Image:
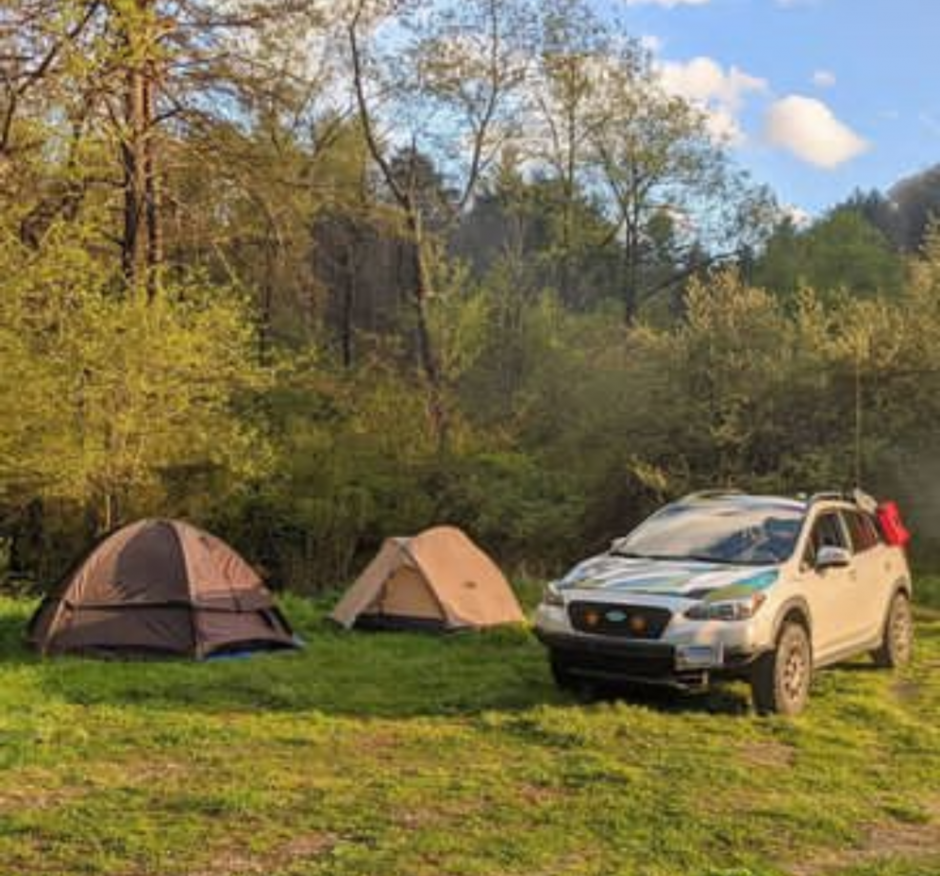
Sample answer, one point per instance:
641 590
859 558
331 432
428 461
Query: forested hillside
312 274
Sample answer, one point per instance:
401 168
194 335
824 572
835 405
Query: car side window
827 532
862 531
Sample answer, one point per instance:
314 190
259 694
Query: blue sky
820 96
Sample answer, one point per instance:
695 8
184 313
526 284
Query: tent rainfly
438 580
160 587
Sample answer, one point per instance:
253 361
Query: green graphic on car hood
743 588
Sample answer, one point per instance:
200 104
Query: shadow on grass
363 675
348 674
722 699
14 617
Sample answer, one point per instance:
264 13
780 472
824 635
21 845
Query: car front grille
642 661
624 621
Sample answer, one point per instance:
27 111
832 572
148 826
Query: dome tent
438 580
160 587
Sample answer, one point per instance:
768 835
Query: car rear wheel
781 678
897 644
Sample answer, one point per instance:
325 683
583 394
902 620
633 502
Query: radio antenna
858 413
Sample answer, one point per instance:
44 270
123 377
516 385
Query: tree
840 251
141 80
456 86
673 192
103 396
613 140
573 47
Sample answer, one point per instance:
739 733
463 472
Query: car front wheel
897 643
781 678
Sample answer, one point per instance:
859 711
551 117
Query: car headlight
728 609
551 595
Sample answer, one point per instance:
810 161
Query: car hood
610 575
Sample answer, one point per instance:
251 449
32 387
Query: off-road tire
897 643
781 678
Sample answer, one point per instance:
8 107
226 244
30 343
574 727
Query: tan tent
160 587
438 580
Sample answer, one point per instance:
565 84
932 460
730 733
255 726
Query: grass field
382 755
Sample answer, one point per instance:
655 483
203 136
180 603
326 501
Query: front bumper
648 662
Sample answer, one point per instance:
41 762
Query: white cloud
810 130
666 4
720 92
824 79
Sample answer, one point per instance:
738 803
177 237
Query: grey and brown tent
160 587
438 580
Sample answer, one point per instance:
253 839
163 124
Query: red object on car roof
892 527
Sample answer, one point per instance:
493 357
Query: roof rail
712 494
830 496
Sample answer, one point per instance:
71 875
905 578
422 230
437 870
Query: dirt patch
416 820
309 845
768 753
442 812
906 690
25 798
882 841
541 795
241 862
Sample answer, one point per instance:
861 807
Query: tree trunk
631 276
631 296
141 243
427 357
266 301
135 177
108 512
152 177
349 300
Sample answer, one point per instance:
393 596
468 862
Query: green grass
411 755
928 591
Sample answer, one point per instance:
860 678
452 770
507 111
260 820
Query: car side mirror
832 558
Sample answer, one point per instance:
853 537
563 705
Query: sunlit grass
421 756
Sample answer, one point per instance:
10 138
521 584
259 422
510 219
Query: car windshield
737 532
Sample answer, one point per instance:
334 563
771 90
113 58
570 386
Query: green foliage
103 395
590 363
567 427
843 251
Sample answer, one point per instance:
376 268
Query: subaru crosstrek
722 584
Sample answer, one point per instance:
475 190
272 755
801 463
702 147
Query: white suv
729 585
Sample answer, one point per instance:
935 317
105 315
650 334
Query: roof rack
712 494
830 496
827 496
